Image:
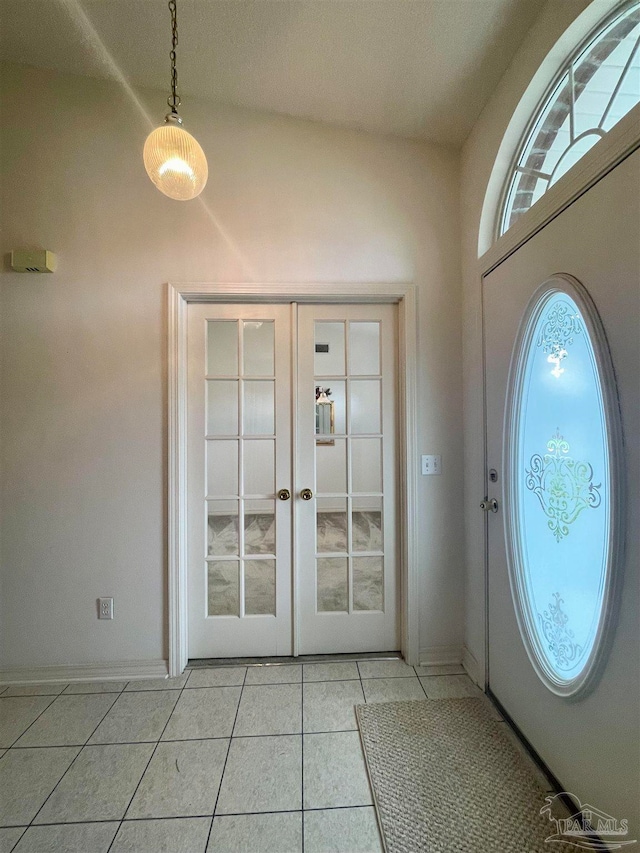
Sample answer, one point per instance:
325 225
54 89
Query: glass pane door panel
223 588
335 391
332 584
222 467
258 348
259 407
222 407
260 587
222 347
331 525
331 467
368 587
366 470
365 405
364 349
329 357
259 527
259 465
222 528
366 524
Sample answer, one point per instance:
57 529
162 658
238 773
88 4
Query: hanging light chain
174 99
173 159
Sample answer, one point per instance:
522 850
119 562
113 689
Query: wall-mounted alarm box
33 260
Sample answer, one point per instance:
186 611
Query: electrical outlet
431 465
105 608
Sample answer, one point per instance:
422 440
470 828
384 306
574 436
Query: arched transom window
597 87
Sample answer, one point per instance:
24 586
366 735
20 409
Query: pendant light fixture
174 160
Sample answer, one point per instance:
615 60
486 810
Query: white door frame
178 296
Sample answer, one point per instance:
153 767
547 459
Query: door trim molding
178 297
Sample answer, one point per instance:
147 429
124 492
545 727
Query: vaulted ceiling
422 69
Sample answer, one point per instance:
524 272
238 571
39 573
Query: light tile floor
230 759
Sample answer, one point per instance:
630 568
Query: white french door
345 533
563 590
238 457
291 535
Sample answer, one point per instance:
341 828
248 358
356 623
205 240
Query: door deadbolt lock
489 505
284 494
306 494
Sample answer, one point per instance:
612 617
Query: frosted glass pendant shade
175 162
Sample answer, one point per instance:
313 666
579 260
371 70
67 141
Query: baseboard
472 667
116 671
440 655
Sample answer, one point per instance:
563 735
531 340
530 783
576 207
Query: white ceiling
416 68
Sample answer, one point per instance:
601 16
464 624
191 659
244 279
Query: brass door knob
284 494
306 494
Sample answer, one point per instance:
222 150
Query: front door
561 374
291 479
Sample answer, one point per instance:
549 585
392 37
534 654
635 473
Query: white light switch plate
431 465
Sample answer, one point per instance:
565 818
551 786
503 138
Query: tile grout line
189 817
226 758
424 690
116 695
26 828
22 834
180 740
442 675
31 695
379 827
364 695
57 696
155 689
360 738
264 684
74 760
217 686
362 747
94 692
153 752
302 727
46 708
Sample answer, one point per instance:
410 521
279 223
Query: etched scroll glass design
562 493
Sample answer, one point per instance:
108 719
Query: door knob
489 505
284 494
306 494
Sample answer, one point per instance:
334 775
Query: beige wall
84 361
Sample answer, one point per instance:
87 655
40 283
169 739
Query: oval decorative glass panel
561 491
